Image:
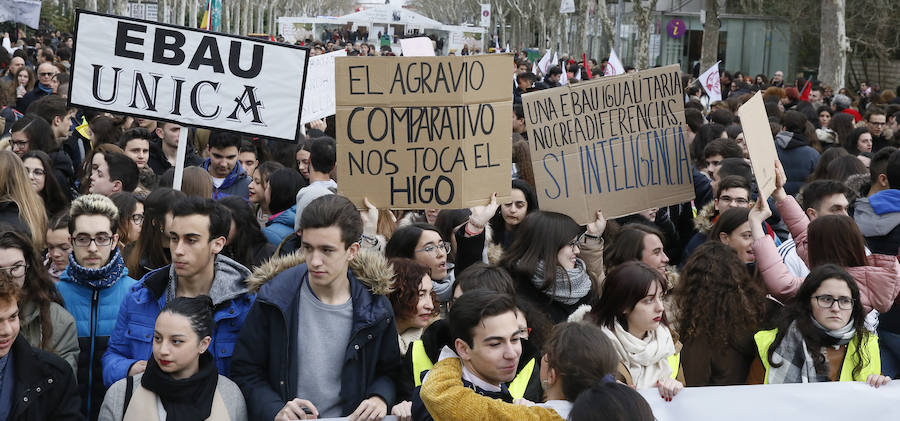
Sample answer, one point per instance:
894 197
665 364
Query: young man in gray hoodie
196 234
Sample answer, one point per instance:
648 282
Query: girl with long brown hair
16 187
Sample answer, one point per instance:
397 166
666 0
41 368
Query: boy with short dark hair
321 340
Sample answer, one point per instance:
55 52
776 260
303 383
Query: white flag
710 82
485 15
554 63
614 66
563 80
534 68
578 75
507 48
544 62
567 6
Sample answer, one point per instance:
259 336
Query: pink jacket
879 281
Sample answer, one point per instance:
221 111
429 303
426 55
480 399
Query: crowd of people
255 291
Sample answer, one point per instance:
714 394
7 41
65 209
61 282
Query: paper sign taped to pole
188 76
320 84
615 144
416 47
760 144
424 132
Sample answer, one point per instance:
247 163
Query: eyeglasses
16 270
574 243
51 74
137 218
736 200
876 123
19 143
432 248
84 240
826 301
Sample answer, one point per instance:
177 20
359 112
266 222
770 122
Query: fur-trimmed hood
370 267
706 218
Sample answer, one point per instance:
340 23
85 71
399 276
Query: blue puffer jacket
93 297
237 183
280 225
132 339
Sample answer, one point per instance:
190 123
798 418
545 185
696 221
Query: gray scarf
796 361
571 285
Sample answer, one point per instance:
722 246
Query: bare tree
834 48
710 50
643 17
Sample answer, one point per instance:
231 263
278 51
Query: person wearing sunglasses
93 286
45 73
822 337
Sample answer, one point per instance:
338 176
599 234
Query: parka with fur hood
265 360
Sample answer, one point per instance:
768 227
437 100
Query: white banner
485 15
189 76
833 401
567 6
320 84
711 83
22 11
544 63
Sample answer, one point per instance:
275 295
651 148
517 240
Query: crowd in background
255 291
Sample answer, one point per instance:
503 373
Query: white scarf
644 358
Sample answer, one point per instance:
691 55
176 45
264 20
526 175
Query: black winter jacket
264 363
45 387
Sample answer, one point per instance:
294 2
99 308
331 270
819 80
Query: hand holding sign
481 215
597 227
780 181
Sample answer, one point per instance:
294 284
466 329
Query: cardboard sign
760 144
424 132
187 76
799 401
615 144
417 47
320 84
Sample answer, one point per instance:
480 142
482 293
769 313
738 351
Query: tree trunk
643 17
245 17
181 11
833 44
192 14
710 51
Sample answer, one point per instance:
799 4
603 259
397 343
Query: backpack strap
129 385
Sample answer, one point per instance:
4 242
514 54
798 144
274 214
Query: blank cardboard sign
615 144
424 132
760 145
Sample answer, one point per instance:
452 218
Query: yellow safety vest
764 339
421 364
674 361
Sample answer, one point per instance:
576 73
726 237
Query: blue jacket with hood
132 338
237 183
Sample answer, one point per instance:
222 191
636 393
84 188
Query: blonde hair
16 187
94 204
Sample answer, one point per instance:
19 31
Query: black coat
44 388
264 364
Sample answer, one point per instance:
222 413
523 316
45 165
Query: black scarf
188 399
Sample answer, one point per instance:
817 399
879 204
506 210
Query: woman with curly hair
413 300
721 307
822 337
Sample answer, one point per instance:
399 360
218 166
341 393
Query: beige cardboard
406 151
760 144
588 139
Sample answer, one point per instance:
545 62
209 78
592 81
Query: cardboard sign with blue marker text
424 132
616 144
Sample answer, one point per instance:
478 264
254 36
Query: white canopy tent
387 19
